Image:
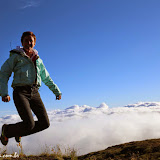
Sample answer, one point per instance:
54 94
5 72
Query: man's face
28 43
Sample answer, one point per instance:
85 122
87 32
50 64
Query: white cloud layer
89 129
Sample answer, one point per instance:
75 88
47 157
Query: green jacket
25 72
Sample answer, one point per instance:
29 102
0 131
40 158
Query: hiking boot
4 139
18 139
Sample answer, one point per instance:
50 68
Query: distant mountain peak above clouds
144 104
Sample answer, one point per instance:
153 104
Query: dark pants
27 98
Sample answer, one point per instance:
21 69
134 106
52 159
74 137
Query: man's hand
58 97
6 98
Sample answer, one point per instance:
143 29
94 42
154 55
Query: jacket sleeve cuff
57 94
4 95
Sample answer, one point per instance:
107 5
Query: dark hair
28 33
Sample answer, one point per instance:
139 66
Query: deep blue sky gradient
95 50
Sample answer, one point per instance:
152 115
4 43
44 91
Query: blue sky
95 50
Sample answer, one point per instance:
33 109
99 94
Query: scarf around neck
34 55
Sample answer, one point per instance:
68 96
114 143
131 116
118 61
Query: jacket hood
19 50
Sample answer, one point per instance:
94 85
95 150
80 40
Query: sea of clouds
88 129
